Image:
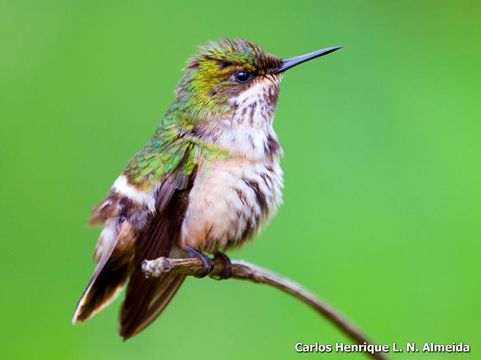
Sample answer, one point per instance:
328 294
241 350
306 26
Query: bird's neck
242 126
248 131
243 141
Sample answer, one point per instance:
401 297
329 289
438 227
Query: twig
245 271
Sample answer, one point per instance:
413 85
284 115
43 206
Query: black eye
242 76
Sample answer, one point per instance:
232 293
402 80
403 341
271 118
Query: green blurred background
382 172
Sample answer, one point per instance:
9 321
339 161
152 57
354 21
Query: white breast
229 202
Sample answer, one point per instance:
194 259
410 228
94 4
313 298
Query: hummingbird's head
232 85
224 72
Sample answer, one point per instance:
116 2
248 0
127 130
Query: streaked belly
229 202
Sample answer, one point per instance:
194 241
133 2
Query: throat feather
247 132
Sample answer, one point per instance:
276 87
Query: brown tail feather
101 290
146 298
134 319
109 277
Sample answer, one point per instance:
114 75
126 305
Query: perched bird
207 180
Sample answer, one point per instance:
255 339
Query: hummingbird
206 182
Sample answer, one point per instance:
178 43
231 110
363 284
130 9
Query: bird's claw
207 263
227 265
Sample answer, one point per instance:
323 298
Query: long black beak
289 63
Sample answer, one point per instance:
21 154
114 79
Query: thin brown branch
245 271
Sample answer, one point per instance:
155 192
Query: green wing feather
171 147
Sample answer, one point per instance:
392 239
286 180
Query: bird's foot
207 263
226 263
